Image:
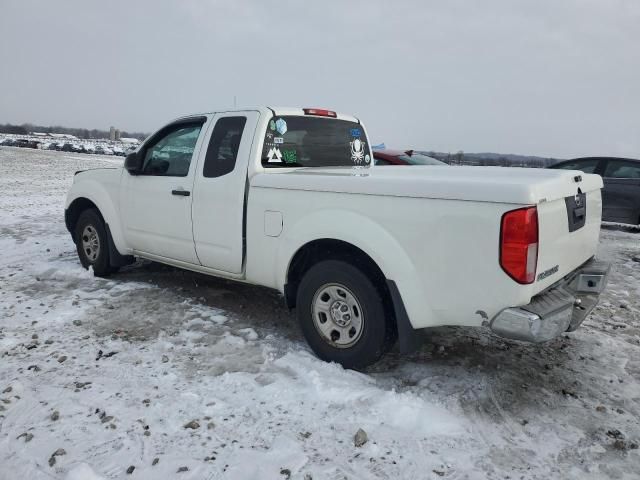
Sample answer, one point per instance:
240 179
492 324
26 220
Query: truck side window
170 155
223 146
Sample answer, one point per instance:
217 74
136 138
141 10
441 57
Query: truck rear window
296 141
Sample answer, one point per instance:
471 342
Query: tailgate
569 227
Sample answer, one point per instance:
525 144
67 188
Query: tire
92 243
355 336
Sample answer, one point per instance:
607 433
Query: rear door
621 194
219 190
156 211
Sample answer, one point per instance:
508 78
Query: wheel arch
71 216
93 193
321 249
373 242
74 210
316 251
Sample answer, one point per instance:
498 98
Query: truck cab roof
275 111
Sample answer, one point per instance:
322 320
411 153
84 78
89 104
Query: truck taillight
319 112
519 244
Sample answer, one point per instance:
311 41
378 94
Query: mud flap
116 259
409 339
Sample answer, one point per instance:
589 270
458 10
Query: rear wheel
342 314
92 243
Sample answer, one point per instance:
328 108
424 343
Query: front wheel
92 243
342 314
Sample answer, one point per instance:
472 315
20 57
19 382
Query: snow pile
82 472
159 373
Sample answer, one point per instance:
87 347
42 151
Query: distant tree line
27 128
493 159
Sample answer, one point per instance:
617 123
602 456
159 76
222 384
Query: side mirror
133 163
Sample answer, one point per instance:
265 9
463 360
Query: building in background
112 133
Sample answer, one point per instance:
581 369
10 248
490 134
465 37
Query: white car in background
118 151
103 150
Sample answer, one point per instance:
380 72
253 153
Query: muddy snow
161 373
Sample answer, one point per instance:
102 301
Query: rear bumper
560 308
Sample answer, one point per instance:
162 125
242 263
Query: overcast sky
545 77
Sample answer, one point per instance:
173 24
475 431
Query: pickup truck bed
453 215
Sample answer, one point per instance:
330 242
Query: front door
157 202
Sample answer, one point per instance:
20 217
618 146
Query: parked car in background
406 157
27 143
103 150
621 192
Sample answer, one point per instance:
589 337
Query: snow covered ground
169 374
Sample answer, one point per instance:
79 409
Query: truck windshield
296 141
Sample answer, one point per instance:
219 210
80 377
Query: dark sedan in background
399 157
621 193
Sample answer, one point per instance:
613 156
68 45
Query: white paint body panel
443 254
154 220
523 186
102 187
218 203
433 230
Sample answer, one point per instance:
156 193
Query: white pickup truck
289 199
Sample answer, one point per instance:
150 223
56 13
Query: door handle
183 193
